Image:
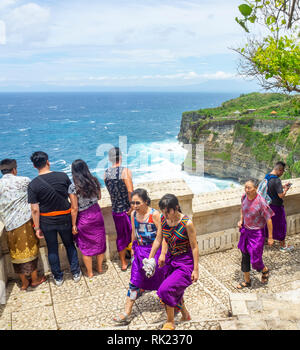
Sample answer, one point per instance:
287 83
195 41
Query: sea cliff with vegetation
245 136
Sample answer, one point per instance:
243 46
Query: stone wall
215 215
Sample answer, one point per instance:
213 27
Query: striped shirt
176 236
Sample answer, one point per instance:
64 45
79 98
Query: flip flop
168 327
124 320
124 270
186 320
243 285
42 280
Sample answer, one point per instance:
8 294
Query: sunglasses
135 203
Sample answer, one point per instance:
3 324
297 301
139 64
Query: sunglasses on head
135 203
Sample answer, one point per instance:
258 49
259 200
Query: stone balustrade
215 216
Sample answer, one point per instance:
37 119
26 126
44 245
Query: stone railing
215 216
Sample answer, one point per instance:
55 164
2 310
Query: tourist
255 214
51 213
277 193
87 219
15 214
179 255
146 225
118 181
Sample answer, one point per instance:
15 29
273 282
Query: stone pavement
214 302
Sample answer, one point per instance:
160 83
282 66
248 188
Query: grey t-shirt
83 203
275 187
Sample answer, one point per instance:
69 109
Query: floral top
256 212
83 203
117 189
14 208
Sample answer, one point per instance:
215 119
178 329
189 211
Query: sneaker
286 248
77 277
58 283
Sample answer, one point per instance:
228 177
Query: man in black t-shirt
277 192
48 196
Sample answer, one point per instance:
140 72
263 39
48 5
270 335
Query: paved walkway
214 302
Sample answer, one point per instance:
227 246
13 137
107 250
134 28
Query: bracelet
36 228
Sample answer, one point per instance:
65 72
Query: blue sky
88 45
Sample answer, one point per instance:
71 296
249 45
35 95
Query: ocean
70 126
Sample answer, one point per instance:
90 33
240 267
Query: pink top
256 212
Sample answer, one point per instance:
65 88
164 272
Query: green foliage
296 168
225 156
279 57
261 146
274 59
263 103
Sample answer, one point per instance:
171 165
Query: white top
15 210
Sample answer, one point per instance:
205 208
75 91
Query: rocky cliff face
242 148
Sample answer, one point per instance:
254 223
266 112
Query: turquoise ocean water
69 126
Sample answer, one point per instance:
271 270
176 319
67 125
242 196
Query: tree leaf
245 10
242 24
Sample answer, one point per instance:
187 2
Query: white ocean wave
71 121
25 129
161 161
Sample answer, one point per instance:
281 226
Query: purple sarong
91 238
252 242
138 277
123 229
278 222
179 269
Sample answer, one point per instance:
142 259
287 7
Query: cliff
239 144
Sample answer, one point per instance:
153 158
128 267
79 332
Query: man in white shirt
15 214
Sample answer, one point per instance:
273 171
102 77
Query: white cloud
4 4
116 41
27 24
179 77
176 26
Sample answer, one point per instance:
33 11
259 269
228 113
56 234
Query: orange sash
57 213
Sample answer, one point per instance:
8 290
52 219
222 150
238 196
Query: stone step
264 311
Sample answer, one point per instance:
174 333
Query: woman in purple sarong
146 225
87 219
255 214
118 181
179 256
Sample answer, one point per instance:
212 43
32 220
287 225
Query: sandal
120 320
168 327
265 276
185 319
128 265
42 280
243 285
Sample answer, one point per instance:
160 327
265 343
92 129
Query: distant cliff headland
245 136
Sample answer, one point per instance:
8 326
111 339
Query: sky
120 45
